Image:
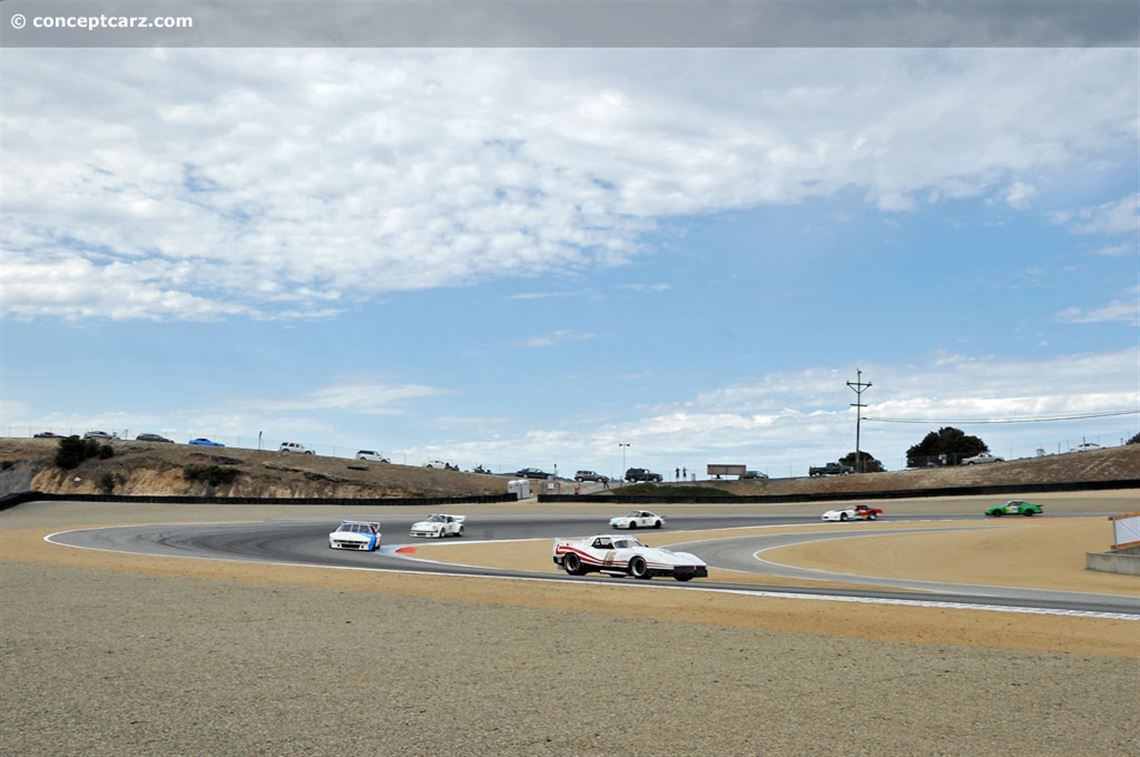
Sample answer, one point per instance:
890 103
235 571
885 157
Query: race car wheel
632 525
842 516
1028 513
998 513
657 524
683 578
872 516
637 567
460 534
572 565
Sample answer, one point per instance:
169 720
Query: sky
532 257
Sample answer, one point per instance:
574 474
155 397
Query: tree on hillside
868 462
1135 439
946 446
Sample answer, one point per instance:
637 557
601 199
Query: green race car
1015 507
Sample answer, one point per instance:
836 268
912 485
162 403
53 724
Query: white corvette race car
356 534
853 512
637 519
625 556
439 525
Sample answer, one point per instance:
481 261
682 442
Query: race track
304 542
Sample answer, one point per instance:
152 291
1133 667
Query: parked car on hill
830 469
982 457
531 473
47 435
295 447
371 455
440 465
589 475
204 442
1085 447
754 475
642 474
99 436
153 438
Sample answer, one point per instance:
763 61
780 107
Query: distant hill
140 468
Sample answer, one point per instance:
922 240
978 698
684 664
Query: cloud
1119 217
646 288
365 398
557 338
263 183
1124 311
1019 195
1118 249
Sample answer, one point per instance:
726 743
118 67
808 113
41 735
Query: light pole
624 446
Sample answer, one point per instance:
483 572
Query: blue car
204 442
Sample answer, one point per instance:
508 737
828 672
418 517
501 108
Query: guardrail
759 499
32 496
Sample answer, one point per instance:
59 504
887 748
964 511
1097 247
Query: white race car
637 519
356 534
439 525
625 556
854 512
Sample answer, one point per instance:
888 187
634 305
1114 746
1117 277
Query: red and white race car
625 556
853 512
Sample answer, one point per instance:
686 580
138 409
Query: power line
1038 419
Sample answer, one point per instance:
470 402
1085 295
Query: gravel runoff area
133 655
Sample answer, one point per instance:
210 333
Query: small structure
519 486
726 470
1124 556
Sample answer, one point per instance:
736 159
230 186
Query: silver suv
300 449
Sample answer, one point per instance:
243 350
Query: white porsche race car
625 556
356 534
439 525
637 519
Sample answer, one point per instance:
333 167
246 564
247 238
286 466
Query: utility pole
623 446
858 387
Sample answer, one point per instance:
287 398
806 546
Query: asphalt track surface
305 542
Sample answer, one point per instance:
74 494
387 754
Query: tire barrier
760 499
32 496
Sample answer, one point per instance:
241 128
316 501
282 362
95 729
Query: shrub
107 483
671 491
212 475
72 451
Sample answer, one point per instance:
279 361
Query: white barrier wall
1125 530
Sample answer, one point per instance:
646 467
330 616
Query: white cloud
1125 311
557 339
270 183
646 288
1119 217
1019 195
1115 250
368 398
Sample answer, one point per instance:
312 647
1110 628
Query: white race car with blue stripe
625 556
356 534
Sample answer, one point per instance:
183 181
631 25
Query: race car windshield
633 514
436 519
627 543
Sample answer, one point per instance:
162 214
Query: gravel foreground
101 662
